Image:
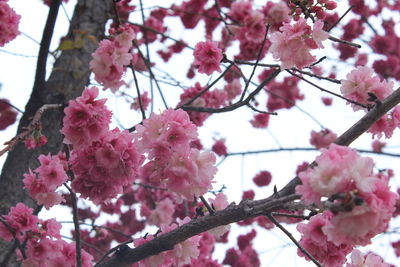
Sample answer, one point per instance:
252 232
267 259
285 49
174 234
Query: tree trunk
68 78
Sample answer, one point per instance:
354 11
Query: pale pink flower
162 214
292 46
360 82
338 169
358 259
219 203
363 222
207 56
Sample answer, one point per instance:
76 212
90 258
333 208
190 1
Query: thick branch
233 213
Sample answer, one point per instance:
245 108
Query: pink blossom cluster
144 98
276 14
361 203
105 166
322 139
249 28
86 119
210 99
42 239
19 220
219 147
42 183
9 21
293 43
245 255
172 162
189 12
207 56
111 58
386 124
314 240
260 120
181 254
360 84
280 94
263 178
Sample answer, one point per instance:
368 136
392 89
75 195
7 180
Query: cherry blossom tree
157 169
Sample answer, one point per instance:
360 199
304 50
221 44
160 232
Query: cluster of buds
310 8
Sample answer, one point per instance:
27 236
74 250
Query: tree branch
246 209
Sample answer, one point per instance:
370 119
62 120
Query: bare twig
293 240
31 127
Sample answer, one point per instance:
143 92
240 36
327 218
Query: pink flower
314 240
106 166
207 56
145 99
219 147
9 21
111 58
51 172
338 169
21 219
377 146
360 82
292 46
219 203
276 14
322 139
358 259
162 214
263 178
260 121
363 222
42 183
86 119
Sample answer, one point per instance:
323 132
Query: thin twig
76 226
327 91
334 39
340 19
286 232
256 64
239 103
138 94
31 127
209 208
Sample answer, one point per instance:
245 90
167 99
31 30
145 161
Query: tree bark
68 78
